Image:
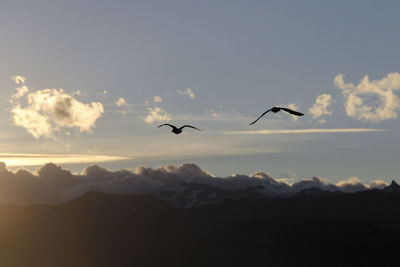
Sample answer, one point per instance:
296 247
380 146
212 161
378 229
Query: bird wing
167 125
293 112
260 116
190 126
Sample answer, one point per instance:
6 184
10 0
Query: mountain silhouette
315 192
185 195
392 188
310 229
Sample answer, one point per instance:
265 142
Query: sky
88 82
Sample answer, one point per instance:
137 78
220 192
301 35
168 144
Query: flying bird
277 109
176 130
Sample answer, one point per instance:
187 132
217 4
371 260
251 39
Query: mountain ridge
184 194
101 230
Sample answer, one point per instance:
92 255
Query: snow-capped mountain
187 195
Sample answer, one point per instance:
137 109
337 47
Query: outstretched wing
293 112
167 125
260 116
190 126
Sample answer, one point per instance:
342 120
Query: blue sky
238 58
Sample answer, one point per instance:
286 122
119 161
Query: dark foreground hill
310 229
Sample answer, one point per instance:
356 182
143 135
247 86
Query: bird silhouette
277 109
176 130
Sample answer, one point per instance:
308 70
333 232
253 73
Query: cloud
47 110
188 92
21 91
293 107
378 184
120 102
320 108
371 101
95 178
157 99
307 131
212 113
51 183
315 182
18 79
35 123
78 92
12 159
171 174
157 114
351 185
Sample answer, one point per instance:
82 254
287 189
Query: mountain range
198 225
185 195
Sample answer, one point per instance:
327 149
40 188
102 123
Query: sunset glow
40 159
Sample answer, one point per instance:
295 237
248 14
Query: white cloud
120 102
306 131
12 159
320 107
21 91
188 92
45 111
157 114
35 123
157 99
372 101
18 79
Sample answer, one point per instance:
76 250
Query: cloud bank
44 112
53 184
371 101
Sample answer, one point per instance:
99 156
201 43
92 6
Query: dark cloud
315 182
62 109
53 184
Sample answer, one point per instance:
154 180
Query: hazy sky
89 81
